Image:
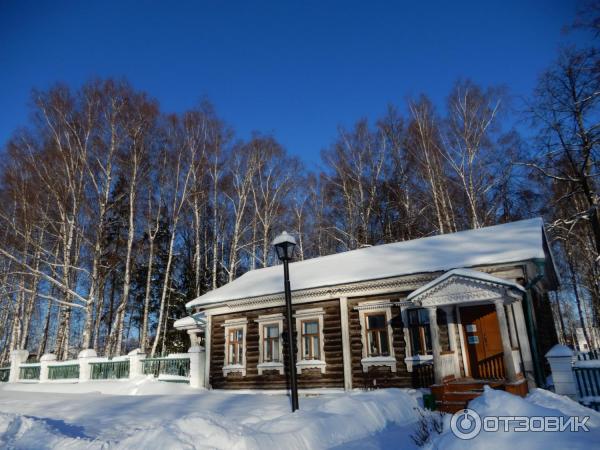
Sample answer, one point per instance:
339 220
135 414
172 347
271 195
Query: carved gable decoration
451 289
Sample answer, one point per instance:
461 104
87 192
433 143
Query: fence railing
110 370
29 372
4 374
587 377
63 372
166 366
586 356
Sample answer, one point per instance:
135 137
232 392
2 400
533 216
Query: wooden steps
454 395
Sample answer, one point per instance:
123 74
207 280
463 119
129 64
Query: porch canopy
194 324
465 287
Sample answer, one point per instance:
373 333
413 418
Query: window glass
310 339
311 327
376 321
271 343
420 334
235 346
377 335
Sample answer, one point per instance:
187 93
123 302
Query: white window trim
367 308
235 368
300 316
271 319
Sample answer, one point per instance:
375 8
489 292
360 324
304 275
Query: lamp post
284 246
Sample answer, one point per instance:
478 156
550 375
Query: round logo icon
465 424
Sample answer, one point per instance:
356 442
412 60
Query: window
310 339
377 335
270 351
236 347
271 343
420 336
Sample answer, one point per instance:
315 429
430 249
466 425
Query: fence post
45 361
85 370
560 358
17 357
197 362
135 362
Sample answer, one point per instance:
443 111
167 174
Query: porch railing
110 370
63 372
29 372
491 368
422 375
166 366
4 374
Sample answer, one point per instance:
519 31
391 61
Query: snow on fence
29 372
110 370
4 374
67 370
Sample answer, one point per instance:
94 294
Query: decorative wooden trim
358 289
372 361
382 286
458 290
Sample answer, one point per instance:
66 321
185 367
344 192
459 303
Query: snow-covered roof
197 320
465 273
506 243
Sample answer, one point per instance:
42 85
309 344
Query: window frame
379 331
422 329
237 344
269 343
303 335
229 326
310 315
376 307
262 322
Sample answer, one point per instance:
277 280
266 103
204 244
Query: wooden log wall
311 378
377 377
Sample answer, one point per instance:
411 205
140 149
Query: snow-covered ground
148 414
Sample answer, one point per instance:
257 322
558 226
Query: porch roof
465 274
500 244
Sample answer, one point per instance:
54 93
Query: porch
477 337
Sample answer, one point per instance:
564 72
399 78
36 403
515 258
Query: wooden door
483 341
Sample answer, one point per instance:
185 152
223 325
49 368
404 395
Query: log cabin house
446 311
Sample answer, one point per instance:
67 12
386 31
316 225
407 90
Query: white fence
186 367
576 375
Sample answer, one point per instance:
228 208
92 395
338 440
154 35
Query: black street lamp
284 245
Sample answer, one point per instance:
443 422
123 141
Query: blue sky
293 69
